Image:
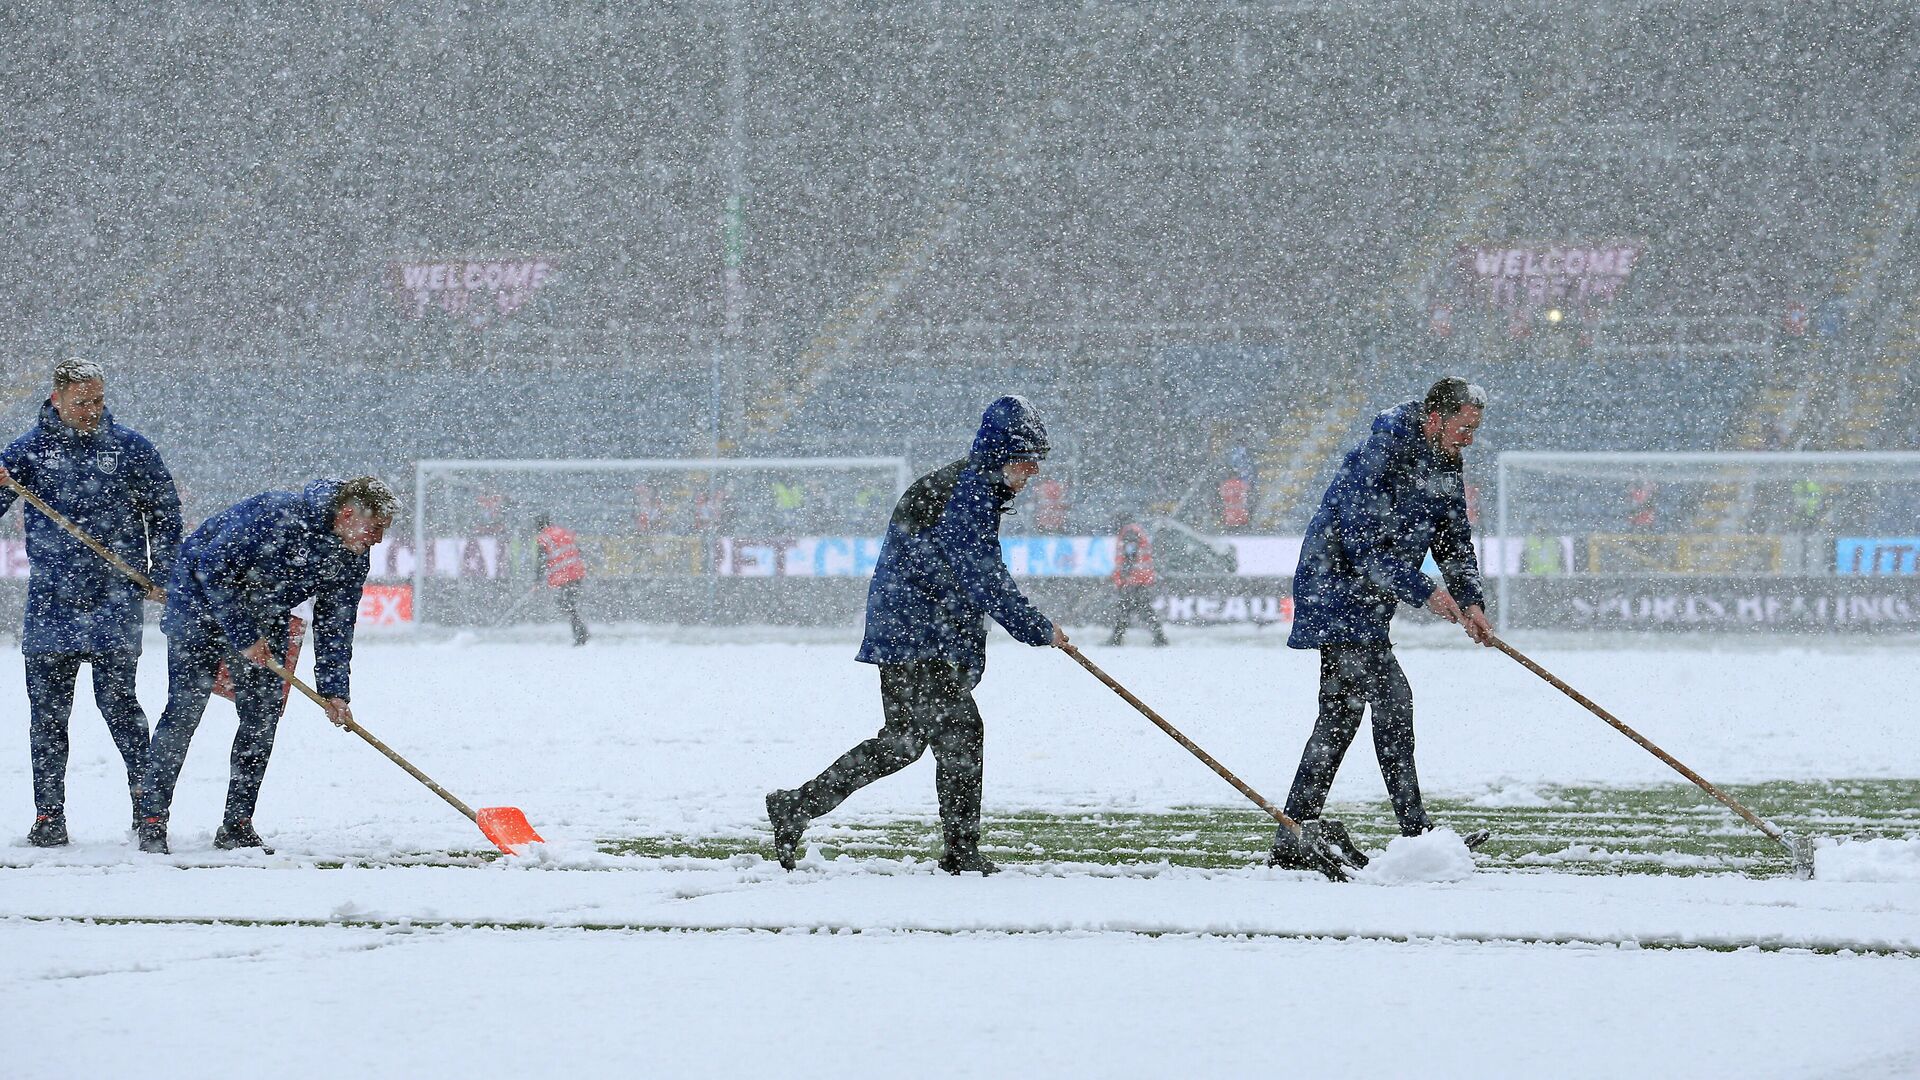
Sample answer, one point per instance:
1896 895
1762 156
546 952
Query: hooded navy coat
245 569
1394 499
940 572
113 485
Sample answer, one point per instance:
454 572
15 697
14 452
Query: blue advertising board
1877 555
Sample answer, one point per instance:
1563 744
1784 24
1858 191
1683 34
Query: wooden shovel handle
1756 820
79 534
314 696
1239 785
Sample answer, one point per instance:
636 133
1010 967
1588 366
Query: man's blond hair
77 369
371 493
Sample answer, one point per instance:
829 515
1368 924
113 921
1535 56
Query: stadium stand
1191 232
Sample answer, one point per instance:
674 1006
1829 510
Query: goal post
1762 540
654 532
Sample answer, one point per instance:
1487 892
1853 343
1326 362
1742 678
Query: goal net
657 535
1766 541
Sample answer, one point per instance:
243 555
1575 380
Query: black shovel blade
1340 843
1308 851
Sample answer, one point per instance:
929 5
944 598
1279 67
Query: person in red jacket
1133 579
560 560
1236 498
1050 505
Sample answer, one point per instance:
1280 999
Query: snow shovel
506 826
1311 842
1799 848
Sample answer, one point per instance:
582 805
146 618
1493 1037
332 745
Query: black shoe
1308 851
49 830
787 827
1343 846
239 834
967 860
153 836
1473 839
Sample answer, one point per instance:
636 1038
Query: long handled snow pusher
506 826
1310 840
1799 848
79 534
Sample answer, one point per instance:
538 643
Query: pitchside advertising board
1873 556
1872 589
1255 593
1791 604
1874 584
850 556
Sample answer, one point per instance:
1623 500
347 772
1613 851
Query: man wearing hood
939 576
108 480
1397 496
238 577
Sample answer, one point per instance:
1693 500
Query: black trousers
50 679
570 605
928 703
1351 678
1132 601
258 698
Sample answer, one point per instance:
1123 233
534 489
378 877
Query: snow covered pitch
1127 937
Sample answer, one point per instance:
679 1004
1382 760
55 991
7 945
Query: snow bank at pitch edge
1866 860
1436 856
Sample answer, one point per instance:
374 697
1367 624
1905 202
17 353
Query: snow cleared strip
1334 937
909 895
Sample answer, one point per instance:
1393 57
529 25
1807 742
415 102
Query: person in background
1133 580
560 561
1643 507
1236 503
1050 505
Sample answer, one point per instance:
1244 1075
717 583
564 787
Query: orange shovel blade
507 827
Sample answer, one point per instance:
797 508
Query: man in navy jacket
238 577
108 480
939 576
1397 496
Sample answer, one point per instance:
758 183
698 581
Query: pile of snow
1866 860
1513 793
1436 856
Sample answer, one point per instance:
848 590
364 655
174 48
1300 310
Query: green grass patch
1674 829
